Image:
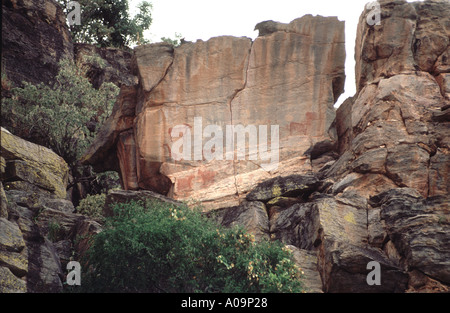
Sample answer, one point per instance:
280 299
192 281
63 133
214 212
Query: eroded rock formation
366 183
290 78
394 163
39 229
375 190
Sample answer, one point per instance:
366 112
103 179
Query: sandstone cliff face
367 183
290 78
34 38
379 192
399 115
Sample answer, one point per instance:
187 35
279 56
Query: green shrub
64 117
92 206
161 248
54 230
108 23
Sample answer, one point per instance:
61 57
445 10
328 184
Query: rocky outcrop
31 167
287 78
414 36
393 116
391 179
369 185
35 37
386 197
39 229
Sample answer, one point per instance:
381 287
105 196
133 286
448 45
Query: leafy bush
92 206
108 23
54 230
63 117
161 248
174 42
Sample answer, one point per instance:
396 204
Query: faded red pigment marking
298 128
185 183
207 177
204 178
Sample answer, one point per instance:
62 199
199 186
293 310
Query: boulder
45 273
30 166
307 262
16 262
11 238
252 216
9 283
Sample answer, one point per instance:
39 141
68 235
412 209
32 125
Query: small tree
63 117
108 22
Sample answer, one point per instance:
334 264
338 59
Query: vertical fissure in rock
235 94
163 77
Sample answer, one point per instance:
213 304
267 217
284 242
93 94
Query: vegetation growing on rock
159 247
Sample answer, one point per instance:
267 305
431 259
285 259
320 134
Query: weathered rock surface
250 215
371 184
35 37
385 198
286 78
307 261
38 226
419 229
10 283
11 238
37 167
393 140
412 36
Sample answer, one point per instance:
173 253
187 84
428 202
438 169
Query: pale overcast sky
203 19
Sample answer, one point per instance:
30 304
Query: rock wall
386 197
367 183
105 64
39 229
397 128
394 144
290 78
380 192
34 38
